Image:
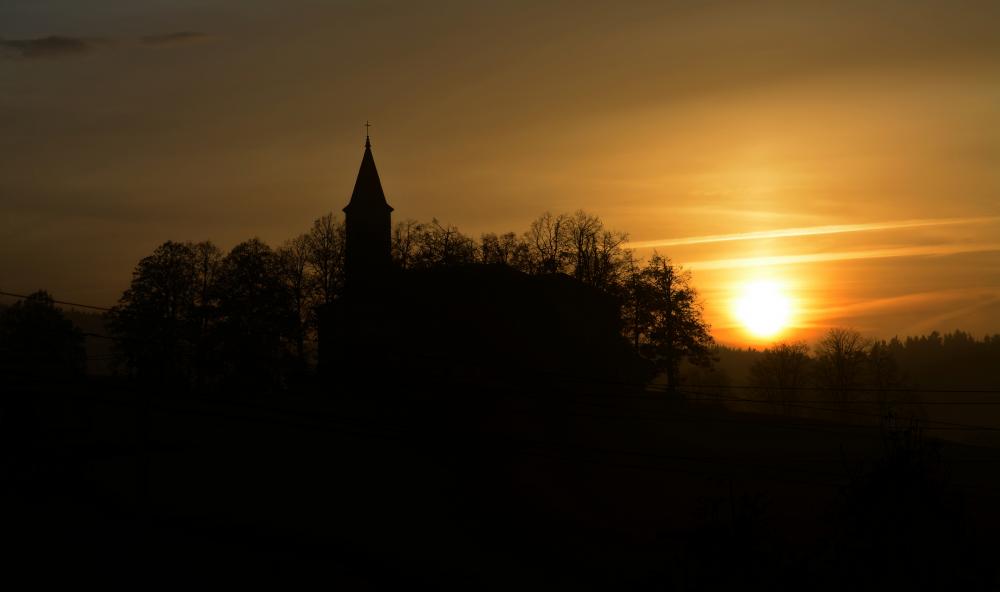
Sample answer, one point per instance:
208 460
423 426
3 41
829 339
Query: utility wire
63 302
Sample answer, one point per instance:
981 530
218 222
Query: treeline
845 369
195 316
969 362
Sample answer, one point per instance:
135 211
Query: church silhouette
479 323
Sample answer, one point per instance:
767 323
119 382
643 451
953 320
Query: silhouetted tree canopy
258 319
193 316
847 369
667 321
161 318
842 362
782 371
324 255
38 343
293 260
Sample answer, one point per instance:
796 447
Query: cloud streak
907 302
58 46
913 251
54 46
808 231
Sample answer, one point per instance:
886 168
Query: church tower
368 222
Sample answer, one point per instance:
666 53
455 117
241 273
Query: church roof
368 193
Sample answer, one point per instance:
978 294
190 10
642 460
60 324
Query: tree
406 238
842 362
443 245
504 249
636 317
781 372
157 321
208 260
324 254
582 232
257 316
594 253
547 243
38 343
293 268
671 327
883 374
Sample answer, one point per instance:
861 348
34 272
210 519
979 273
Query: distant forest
955 360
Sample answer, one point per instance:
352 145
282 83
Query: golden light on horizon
763 308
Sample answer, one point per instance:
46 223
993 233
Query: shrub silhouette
38 343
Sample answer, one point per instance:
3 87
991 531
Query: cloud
176 38
54 46
909 302
806 231
930 323
915 251
58 46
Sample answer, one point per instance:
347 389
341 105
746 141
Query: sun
763 308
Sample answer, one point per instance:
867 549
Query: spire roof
368 192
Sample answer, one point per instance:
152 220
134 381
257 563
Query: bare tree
582 231
781 372
324 244
442 244
547 241
841 362
293 260
504 249
576 244
635 314
406 239
608 261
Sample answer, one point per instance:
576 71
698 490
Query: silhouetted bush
38 344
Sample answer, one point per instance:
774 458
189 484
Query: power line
843 389
63 302
951 425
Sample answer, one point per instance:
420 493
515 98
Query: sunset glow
841 170
656 294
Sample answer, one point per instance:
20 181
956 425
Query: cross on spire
368 143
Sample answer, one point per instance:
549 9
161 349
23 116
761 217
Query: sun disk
762 308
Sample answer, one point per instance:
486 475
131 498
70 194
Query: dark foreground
466 487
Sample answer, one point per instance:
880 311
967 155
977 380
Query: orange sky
858 140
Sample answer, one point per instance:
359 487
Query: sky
847 152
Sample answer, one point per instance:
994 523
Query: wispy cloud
58 46
808 231
938 321
914 251
54 46
908 302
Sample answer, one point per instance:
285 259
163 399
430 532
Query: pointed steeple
368 192
368 220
